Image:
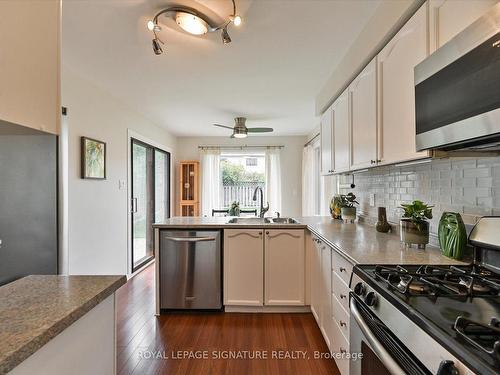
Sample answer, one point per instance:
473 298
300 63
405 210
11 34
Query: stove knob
447 368
360 289
371 299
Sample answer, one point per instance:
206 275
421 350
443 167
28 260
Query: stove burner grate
485 337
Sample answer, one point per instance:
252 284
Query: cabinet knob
342 296
267 232
343 351
260 233
342 269
379 160
342 323
373 161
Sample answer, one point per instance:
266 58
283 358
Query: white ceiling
278 61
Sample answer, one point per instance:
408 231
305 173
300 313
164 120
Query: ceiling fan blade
223 126
260 130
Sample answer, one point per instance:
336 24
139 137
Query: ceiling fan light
191 23
240 135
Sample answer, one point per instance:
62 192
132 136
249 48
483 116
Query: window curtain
273 180
308 181
211 181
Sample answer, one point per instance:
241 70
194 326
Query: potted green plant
414 225
347 207
234 210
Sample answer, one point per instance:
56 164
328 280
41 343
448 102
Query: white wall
98 210
291 162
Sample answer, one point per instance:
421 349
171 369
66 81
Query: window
241 175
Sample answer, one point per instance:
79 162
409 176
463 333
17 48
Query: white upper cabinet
450 17
284 267
396 90
327 142
363 98
29 63
341 141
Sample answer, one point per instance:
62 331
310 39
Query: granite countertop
359 243
35 309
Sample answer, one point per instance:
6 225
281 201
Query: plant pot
234 212
348 214
335 207
412 234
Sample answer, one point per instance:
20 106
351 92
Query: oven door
382 352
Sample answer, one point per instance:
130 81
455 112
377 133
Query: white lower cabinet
326 295
264 267
243 267
330 274
284 267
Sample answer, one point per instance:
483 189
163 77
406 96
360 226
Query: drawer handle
342 269
342 296
342 324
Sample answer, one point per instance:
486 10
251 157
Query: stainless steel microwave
457 90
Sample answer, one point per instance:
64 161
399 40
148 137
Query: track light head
157 46
226 39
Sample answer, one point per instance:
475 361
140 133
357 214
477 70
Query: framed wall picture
93 159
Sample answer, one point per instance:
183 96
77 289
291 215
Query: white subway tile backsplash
469 186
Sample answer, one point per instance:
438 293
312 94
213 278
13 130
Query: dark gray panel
28 206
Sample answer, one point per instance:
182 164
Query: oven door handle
377 347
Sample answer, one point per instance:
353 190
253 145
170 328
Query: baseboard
267 309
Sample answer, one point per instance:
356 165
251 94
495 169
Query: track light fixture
193 22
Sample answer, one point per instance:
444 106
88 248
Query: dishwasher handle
189 239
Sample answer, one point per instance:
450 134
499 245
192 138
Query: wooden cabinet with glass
189 193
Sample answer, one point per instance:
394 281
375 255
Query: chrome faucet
262 209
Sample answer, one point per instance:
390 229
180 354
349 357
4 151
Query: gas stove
454 311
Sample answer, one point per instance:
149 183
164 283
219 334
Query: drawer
340 345
341 266
340 290
341 317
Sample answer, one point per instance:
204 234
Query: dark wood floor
141 335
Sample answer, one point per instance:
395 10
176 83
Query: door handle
134 205
189 239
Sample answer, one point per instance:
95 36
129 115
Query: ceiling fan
241 131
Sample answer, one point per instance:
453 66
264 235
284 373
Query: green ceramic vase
452 235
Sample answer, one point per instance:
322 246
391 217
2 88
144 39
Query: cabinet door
243 267
316 281
450 17
284 267
363 98
30 63
326 294
326 133
396 90
341 140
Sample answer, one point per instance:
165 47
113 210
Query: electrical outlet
372 200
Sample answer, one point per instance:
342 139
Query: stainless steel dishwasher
190 269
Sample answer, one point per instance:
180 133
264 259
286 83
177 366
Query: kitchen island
58 325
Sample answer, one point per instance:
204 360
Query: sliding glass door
150 200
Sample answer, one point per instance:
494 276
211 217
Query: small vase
382 224
348 214
335 207
412 234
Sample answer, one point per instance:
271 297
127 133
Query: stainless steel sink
249 220
284 220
